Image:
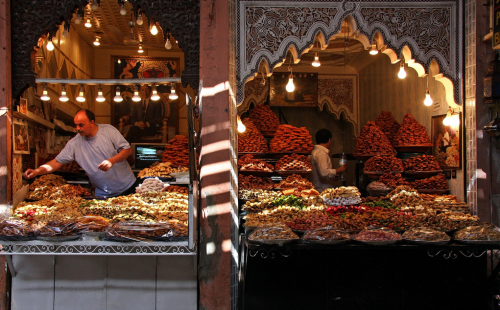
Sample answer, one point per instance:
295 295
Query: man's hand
30 173
140 125
341 168
105 165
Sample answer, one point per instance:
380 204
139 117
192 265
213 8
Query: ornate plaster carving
256 92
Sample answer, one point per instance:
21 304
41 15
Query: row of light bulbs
100 98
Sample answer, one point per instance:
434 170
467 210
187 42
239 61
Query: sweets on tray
91 224
272 232
377 235
389 126
251 140
177 152
485 232
57 228
341 196
293 162
326 234
434 182
291 139
138 230
257 194
264 119
150 184
12 229
54 192
372 141
312 220
393 179
248 162
157 169
407 199
425 234
411 132
47 180
253 182
295 181
421 163
281 214
176 189
383 163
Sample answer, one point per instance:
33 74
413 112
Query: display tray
255 172
422 174
331 242
478 242
290 172
268 133
163 179
59 239
275 241
388 242
17 238
281 154
432 191
368 156
299 232
377 174
412 148
423 242
93 235
180 175
167 238
254 154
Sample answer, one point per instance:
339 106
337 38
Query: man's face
83 125
145 92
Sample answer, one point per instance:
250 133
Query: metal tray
290 172
331 242
423 242
59 239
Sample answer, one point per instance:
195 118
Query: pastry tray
59 239
331 242
290 172
255 172
377 174
423 242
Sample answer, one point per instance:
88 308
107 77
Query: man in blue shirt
101 151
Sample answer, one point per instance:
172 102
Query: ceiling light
241 127
447 119
50 45
96 41
81 94
140 50
428 100
123 11
45 94
118 97
173 94
154 29
88 24
373 50
290 87
136 96
100 97
65 33
63 97
455 120
168 44
139 20
402 72
155 96
78 19
316 62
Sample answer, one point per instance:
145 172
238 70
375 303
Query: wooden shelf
34 118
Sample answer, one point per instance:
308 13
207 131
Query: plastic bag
485 232
91 224
15 230
377 235
378 189
326 234
272 232
425 234
56 229
139 231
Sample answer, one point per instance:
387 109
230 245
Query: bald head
85 123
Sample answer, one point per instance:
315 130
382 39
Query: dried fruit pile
421 163
264 119
251 140
291 139
411 132
248 162
372 141
434 182
383 163
393 180
176 152
293 162
388 124
407 199
252 182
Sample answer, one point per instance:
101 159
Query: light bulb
447 119
65 33
168 44
173 94
402 72
428 100
96 41
316 62
373 50
154 30
455 120
140 50
241 126
88 24
78 19
81 95
63 97
100 97
155 96
139 20
94 6
136 96
290 87
50 45
45 94
118 97
123 11
119 61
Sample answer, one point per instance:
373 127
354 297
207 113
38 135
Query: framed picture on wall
446 142
23 105
304 95
20 137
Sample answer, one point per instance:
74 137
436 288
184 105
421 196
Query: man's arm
121 156
49 167
325 170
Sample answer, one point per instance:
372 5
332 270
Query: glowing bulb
50 45
81 95
139 20
373 50
428 100
65 33
96 42
290 87
118 97
123 11
447 119
455 120
154 30
140 49
45 94
173 94
88 24
78 19
100 97
402 72
241 126
63 97
168 44
155 96
136 96
316 62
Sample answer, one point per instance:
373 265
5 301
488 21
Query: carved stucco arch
32 19
431 30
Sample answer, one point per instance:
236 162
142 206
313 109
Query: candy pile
393 179
421 163
150 185
293 162
291 139
264 119
411 132
383 163
253 182
295 181
372 141
176 152
388 124
248 162
251 140
434 182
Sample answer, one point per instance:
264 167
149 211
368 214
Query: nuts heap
421 163
54 192
176 152
251 140
264 119
372 141
248 194
293 162
407 199
291 139
393 180
411 132
72 167
247 162
281 214
388 124
383 163
251 182
47 180
434 182
257 206
295 181
156 170
341 196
